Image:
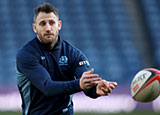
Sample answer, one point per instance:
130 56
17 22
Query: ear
34 27
59 24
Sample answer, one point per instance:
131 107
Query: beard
49 39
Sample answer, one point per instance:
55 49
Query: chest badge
43 57
63 60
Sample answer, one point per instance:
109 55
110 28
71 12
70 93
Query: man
50 69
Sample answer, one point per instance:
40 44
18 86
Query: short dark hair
47 8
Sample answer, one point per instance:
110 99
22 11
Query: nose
48 28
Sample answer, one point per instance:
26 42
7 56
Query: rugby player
50 70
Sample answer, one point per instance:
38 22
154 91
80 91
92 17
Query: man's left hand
104 87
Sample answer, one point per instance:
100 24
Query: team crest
63 60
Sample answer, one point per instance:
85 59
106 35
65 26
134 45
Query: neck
51 44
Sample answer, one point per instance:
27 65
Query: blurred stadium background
120 37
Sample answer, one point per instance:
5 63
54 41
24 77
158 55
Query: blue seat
99 28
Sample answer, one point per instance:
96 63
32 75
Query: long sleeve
28 65
81 64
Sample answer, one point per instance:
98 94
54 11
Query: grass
10 113
134 113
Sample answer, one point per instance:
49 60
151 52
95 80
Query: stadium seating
151 12
100 28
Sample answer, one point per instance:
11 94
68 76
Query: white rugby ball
145 86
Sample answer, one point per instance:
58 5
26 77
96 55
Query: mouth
48 35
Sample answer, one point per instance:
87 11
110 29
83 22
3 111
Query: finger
106 83
90 71
96 80
90 85
107 90
93 80
111 86
113 83
91 76
107 94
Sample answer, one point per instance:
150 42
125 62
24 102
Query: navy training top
48 78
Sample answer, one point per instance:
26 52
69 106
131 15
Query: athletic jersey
48 78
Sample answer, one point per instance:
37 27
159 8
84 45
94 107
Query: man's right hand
88 80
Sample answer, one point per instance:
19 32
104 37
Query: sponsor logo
84 63
139 78
63 60
135 87
138 81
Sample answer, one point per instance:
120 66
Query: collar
45 46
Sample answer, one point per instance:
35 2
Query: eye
43 23
51 22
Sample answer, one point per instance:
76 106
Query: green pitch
10 113
135 113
